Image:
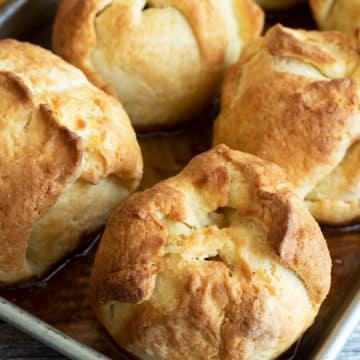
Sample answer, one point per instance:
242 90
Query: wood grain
16 345
351 350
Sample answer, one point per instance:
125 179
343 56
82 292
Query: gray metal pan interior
30 13
342 327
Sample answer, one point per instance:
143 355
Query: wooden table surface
16 345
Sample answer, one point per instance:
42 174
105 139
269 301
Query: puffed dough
68 155
164 59
278 4
293 99
341 15
222 261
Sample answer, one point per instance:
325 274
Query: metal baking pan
56 310
46 333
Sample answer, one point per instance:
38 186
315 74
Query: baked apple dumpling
165 59
294 99
68 156
222 261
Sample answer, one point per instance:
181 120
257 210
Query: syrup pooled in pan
62 298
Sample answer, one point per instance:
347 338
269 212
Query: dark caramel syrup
62 297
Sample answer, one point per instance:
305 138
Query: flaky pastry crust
163 58
341 15
293 99
222 261
68 154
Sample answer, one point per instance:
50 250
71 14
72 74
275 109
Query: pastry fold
222 261
68 155
164 59
341 15
293 99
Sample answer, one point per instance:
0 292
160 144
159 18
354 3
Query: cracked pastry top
341 15
293 99
68 155
278 4
222 261
164 59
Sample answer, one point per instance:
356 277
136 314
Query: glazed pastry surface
293 99
69 155
222 261
164 59
343 15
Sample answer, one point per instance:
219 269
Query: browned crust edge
129 256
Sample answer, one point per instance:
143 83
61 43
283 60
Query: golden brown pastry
164 58
293 99
68 155
219 262
336 14
278 4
